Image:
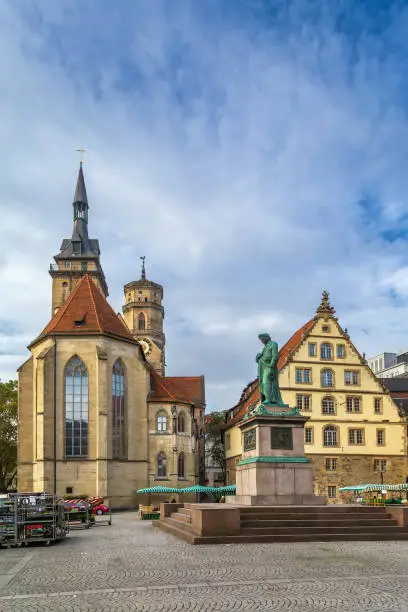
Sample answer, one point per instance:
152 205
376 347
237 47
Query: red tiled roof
292 344
85 312
188 389
284 354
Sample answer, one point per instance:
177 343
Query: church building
97 415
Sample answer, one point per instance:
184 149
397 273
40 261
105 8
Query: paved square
132 566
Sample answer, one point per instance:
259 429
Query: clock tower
144 313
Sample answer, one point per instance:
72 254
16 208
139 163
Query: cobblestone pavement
132 566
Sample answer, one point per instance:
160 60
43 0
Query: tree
8 434
214 443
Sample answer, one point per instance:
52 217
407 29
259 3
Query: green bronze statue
267 362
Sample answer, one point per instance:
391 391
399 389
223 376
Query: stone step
316 522
277 539
177 524
182 517
313 509
179 530
184 510
310 515
361 529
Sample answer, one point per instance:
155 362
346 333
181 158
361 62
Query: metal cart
38 517
8 522
103 518
79 515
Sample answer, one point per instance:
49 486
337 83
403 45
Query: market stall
150 512
378 494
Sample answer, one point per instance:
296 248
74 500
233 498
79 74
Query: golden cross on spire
81 151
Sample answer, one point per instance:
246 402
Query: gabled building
356 433
96 416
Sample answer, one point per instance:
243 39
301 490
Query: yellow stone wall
98 474
355 463
134 305
25 415
172 445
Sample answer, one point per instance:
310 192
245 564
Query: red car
100 509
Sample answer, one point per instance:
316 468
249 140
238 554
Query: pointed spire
325 308
143 258
80 191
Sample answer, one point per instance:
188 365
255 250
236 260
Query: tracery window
118 411
161 421
76 408
181 466
161 465
181 425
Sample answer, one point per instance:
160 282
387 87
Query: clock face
145 344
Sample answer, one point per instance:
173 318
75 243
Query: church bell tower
144 313
78 255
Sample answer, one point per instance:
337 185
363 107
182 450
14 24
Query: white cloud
234 162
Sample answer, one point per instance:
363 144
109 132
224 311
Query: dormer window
76 247
80 319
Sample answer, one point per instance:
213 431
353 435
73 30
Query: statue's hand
257 358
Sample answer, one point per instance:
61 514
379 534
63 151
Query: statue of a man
267 362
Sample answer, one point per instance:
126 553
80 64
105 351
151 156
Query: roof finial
81 151
325 307
143 258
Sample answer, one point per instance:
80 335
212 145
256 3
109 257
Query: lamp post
174 439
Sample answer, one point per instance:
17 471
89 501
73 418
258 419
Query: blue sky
255 151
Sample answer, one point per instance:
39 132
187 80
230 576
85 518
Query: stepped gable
187 389
284 354
86 312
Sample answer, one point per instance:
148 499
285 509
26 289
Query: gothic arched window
181 423
118 411
141 320
76 408
181 466
161 421
161 465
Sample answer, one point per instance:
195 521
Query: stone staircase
289 524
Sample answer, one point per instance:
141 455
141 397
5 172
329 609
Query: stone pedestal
273 470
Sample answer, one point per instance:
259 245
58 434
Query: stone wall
25 427
351 470
355 470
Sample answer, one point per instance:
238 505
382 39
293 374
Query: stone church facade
97 415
